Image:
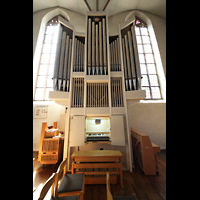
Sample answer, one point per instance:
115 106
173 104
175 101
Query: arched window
149 74
47 60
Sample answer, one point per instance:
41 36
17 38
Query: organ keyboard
97 137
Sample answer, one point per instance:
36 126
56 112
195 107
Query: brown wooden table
98 159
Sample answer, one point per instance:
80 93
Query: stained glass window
150 81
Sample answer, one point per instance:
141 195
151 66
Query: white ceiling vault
157 7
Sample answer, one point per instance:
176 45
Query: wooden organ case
51 145
96 78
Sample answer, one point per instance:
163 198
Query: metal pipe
74 61
78 49
128 62
89 46
115 55
138 71
110 56
93 48
118 55
77 46
97 51
124 59
81 68
132 59
56 66
83 55
80 55
100 48
60 73
104 46
69 64
65 63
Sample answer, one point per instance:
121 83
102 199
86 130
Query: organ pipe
115 60
125 67
57 58
97 95
78 55
136 59
97 63
128 63
65 63
116 57
75 41
93 48
132 60
69 64
97 51
100 48
118 54
116 94
104 46
61 61
89 46
62 65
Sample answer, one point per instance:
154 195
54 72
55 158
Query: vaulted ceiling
157 7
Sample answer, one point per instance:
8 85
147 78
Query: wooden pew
96 163
144 152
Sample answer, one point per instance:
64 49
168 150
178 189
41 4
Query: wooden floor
145 187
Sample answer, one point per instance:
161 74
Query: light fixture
97 121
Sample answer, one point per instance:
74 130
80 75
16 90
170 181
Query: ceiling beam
106 5
87 4
97 5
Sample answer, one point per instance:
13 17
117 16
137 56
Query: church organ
96 75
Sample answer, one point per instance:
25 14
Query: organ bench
96 163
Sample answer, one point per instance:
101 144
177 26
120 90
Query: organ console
98 137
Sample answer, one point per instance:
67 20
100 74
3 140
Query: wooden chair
50 183
109 195
71 184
